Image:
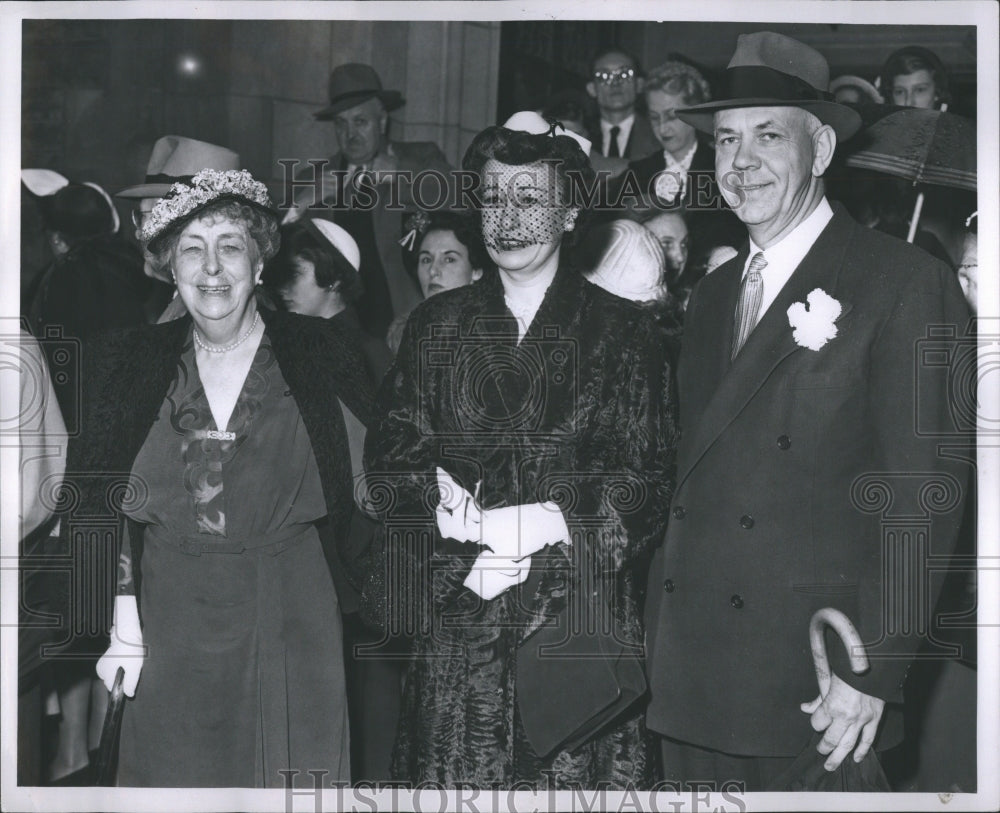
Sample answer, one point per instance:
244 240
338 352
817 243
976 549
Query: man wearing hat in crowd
174 159
365 188
799 382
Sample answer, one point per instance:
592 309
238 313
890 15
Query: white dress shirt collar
624 130
785 255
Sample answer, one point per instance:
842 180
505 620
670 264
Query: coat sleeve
915 423
416 570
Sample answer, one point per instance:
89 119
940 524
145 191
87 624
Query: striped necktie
748 308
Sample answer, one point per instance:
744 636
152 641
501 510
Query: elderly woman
225 427
539 405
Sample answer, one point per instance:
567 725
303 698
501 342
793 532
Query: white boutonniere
813 321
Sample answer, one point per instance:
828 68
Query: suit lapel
771 341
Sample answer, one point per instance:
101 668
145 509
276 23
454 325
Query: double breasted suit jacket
785 456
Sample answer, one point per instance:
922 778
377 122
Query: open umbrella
923 146
807 773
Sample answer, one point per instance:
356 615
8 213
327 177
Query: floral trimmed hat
184 201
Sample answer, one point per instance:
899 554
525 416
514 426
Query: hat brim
391 99
844 120
156 243
146 190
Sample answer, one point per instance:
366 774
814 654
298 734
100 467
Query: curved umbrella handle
848 634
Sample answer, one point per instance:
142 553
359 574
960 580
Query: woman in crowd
540 406
95 281
224 425
915 77
681 177
315 273
450 253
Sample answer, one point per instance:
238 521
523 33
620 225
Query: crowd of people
525 490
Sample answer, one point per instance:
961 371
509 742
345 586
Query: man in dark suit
809 449
621 133
369 186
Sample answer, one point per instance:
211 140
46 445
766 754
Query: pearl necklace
228 347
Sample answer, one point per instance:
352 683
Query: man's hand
845 714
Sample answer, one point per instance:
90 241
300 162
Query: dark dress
244 675
579 412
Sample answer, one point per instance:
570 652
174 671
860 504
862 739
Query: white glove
458 514
518 531
490 575
126 648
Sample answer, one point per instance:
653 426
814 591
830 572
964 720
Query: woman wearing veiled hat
521 463
217 441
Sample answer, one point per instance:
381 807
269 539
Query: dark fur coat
579 412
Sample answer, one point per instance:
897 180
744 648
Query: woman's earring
571 221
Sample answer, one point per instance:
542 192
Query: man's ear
383 122
640 83
591 90
824 142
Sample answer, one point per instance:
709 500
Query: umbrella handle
915 220
828 616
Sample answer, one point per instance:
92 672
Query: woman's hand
126 650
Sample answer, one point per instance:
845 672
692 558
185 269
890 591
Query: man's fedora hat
352 84
772 70
176 159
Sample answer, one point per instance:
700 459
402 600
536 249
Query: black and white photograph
492 406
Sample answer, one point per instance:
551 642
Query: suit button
679 512
736 600
668 585
746 521
784 443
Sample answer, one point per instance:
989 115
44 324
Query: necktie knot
757 263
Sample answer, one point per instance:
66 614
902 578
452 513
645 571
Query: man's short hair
680 79
624 52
